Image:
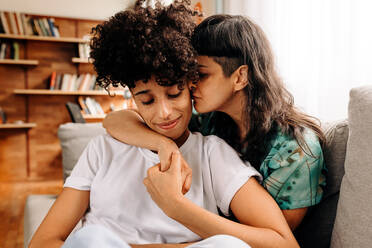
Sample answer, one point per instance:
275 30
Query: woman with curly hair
243 101
119 190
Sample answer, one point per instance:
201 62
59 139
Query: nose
192 86
165 109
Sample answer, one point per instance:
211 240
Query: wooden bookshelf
93 118
19 62
67 93
19 126
43 38
80 60
34 153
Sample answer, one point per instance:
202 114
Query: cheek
146 113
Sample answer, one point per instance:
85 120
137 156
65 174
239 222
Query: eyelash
170 96
148 102
175 95
202 75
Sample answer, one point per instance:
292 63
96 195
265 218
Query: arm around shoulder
134 132
61 219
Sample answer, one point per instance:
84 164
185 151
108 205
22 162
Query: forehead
206 62
151 86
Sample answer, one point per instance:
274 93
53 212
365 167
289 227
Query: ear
240 78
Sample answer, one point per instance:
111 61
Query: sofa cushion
36 208
73 138
316 228
354 213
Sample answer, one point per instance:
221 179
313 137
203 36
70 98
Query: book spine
35 28
52 82
16 50
19 23
11 21
42 28
51 26
5 23
58 82
46 26
2 50
24 24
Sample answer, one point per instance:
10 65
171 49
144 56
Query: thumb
175 165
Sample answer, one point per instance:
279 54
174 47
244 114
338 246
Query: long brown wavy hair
233 41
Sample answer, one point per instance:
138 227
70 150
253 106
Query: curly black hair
146 41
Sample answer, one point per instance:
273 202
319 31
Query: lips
169 124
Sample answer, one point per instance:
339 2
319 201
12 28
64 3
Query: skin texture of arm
261 221
135 132
294 217
61 219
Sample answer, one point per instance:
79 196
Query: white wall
84 9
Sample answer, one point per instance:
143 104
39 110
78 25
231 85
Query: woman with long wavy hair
241 98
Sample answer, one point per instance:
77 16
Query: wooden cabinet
32 151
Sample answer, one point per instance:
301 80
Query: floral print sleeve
295 179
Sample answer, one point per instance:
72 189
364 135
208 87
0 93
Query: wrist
164 142
177 207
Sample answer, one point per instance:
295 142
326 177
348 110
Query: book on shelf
21 24
9 50
73 82
92 107
2 116
4 22
84 50
13 24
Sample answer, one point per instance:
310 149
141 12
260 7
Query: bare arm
61 219
294 217
135 132
261 221
127 126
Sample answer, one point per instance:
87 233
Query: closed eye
148 102
202 75
175 95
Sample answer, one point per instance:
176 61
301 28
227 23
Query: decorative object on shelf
75 112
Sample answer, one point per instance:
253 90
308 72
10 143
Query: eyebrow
142 92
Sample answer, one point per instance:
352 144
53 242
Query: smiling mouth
169 125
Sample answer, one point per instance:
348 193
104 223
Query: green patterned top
295 179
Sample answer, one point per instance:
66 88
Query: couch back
316 228
73 138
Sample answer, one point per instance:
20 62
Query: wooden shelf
67 93
88 116
14 126
43 38
80 60
18 62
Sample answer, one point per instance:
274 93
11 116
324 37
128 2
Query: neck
182 139
234 109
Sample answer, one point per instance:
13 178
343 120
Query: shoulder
106 142
293 171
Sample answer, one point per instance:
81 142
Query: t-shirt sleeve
229 173
84 171
295 179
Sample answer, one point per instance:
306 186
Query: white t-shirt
114 173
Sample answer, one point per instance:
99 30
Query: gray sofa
342 219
